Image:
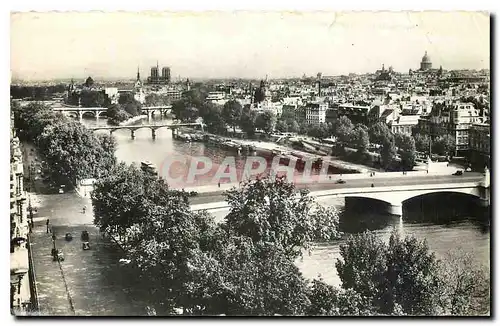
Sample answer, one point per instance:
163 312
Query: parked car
459 172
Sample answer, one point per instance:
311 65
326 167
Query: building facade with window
20 291
479 144
316 113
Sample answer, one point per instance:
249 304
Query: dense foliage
70 151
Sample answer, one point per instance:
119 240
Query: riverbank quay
259 147
87 282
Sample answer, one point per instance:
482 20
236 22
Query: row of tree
70 151
37 93
219 118
245 266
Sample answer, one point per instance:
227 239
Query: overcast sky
246 45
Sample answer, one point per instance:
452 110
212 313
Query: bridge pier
153 133
395 209
132 134
80 116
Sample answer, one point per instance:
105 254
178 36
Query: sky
242 44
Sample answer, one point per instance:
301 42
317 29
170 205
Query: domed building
426 63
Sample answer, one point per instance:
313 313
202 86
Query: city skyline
243 44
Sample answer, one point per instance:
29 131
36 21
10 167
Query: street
89 282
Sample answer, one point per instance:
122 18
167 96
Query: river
446 222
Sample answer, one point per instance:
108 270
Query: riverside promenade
88 282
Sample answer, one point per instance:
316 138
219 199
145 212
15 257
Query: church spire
138 74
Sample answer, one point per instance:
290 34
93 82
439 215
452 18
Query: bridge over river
98 112
133 128
392 188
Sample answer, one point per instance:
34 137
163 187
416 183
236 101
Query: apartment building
316 113
404 124
454 119
479 144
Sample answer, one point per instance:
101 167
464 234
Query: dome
426 58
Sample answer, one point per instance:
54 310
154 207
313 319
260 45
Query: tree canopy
266 121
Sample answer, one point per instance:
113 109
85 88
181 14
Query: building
355 113
479 144
20 291
172 94
426 63
156 79
217 98
316 113
112 94
452 119
404 124
274 107
165 74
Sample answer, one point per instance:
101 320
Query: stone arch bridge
97 112
153 128
394 195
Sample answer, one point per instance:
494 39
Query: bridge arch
86 114
103 114
72 114
472 193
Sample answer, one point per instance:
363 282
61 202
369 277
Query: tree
126 98
412 277
155 99
72 152
406 145
327 300
272 211
116 114
360 139
89 82
388 154
90 98
343 129
380 133
31 120
213 117
266 122
248 121
117 198
466 285
133 108
257 279
293 126
422 143
443 145
318 131
165 247
231 112
363 265
281 126
401 277
185 109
